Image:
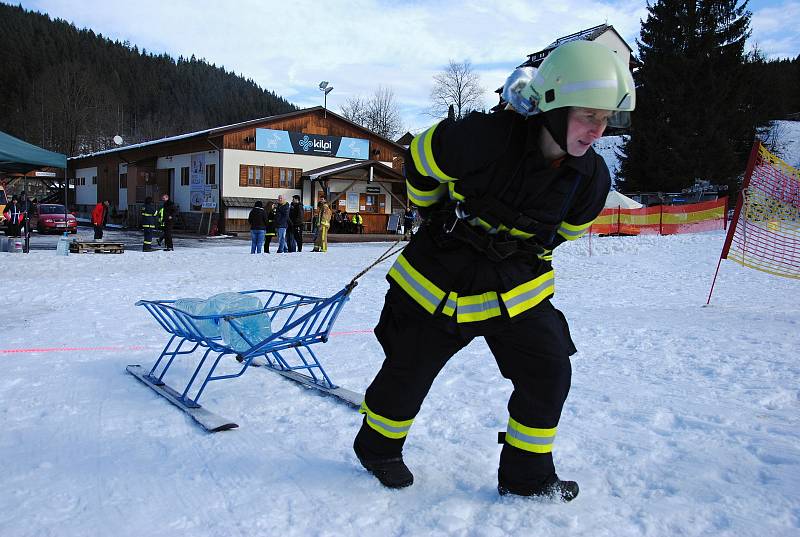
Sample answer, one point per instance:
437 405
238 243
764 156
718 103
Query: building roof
216 131
405 140
349 166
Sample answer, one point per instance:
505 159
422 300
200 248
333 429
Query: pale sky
357 45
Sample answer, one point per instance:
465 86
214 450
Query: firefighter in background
166 220
324 223
149 222
358 223
498 192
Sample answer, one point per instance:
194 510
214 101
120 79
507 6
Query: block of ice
193 306
255 328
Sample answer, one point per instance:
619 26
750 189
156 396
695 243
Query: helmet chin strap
555 121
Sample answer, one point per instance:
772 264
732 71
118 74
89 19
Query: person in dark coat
166 218
149 223
258 227
15 217
408 223
270 230
282 223
499 192
295 231
99 218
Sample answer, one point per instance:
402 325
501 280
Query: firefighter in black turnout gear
498 192
149 222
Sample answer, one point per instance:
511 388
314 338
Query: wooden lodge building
222 172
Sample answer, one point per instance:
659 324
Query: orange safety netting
765 230
662 219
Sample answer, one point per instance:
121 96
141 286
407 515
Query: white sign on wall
352 202
197 172
197 179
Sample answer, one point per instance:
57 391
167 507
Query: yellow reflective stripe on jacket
529 294
547 255
451 188
477 307
481 223
385 426
425 198
422 154
572 232
451 304
516 233
530 438
416 285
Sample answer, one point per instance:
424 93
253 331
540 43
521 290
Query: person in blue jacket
282 223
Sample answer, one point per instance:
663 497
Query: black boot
392 472
382 457
524 473
552 488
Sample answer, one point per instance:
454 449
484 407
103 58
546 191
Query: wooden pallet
76 247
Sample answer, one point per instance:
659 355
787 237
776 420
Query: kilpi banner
311 144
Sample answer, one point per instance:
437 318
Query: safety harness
452 222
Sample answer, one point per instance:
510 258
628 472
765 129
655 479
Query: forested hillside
72 90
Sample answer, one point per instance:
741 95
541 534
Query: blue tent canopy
22 157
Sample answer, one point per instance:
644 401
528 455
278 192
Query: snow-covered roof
349 165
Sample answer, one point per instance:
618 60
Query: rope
392 250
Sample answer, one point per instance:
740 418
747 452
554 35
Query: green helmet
578 73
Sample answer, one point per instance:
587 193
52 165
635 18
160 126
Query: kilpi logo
305 142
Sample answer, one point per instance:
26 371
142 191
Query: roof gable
264 122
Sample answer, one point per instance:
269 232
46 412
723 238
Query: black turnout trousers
533 352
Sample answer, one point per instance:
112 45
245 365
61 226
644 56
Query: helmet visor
620 119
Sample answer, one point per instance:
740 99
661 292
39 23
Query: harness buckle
458 214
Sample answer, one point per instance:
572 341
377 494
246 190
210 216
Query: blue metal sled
297 322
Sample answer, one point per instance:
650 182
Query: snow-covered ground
682 419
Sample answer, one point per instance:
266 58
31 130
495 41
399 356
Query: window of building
123 180
374 203
185 176
288 176
94 179
211 174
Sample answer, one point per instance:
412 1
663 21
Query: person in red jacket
99 217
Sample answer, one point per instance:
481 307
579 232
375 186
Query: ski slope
682 419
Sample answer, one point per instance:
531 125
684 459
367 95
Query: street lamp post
325 89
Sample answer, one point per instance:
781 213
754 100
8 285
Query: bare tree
378 113
458 86
355 109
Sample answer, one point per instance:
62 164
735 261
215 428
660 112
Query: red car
50 217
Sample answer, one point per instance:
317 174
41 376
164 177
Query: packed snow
682 419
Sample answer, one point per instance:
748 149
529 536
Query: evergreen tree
694 119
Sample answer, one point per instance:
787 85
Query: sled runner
296 321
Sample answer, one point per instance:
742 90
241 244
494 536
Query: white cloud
776 29
357 44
